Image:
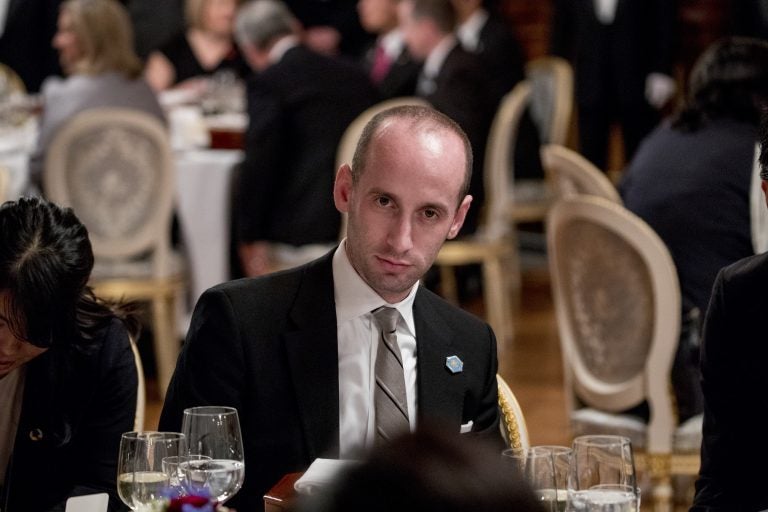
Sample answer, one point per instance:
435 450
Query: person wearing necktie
389 65
334 357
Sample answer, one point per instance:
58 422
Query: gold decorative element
510 422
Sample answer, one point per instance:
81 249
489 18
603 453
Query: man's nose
400 236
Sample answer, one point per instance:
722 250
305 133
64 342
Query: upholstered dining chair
617 305
141 391
512 423
494 245
570 174
10 81
114 167
346 148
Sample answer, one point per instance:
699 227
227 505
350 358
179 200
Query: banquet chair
551 108
5 180
141 390
571 174
114 167
494 245
10 82
346 148
512 423
617 305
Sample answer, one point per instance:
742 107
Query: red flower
198 502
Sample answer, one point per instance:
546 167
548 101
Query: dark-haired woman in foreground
67 373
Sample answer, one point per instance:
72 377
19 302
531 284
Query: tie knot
386 318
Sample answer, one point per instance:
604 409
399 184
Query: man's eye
430 214
383 201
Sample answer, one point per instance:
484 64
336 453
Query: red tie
381 65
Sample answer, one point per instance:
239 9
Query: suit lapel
313 359
440 392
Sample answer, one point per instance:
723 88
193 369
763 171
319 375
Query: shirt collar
393 43
437 56
279 49
469 31
354 298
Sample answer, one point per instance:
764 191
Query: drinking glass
545 470
213 434
172 468
141 481
599 463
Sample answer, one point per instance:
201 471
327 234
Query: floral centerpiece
192 503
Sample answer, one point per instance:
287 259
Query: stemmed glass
601 476
216 466
141 480
545 468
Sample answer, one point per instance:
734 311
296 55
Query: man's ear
342 188
458 219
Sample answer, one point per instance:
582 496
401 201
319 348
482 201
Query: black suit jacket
25 45
462 92
611 62
733 360
268 347
501 55
401 78
76 405
299 107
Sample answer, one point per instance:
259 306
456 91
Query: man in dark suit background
452 80
299 103
295 352
387 61
733 360
622 53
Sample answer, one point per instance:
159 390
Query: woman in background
205 48
95 45
68 376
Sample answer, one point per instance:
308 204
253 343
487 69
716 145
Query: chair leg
496 298
661 493
448 285
166 341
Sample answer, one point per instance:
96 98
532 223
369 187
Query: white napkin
320 474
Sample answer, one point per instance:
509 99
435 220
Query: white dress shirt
393 43
358 339
605 10
469 31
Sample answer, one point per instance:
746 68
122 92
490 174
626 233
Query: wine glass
213 432
545 468
172 468
141 481
601 476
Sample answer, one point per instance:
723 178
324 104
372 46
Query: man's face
420 34
377 16
404 206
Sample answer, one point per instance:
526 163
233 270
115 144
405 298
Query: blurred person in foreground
694 180
299 104
68 378
733 360
429 470
298 352
206 47
95 46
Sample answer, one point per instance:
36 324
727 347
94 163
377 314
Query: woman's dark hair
45 263
729 80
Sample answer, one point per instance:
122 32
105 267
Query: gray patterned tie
389 397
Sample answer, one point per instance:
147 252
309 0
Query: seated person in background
67 373
205 48
95 47
387 61
734 355
300 103
300 353
692 181
428 471
452 80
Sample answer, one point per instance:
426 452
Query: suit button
36 434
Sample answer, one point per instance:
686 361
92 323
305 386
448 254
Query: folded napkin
320 474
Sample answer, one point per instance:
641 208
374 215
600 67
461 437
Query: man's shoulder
750 272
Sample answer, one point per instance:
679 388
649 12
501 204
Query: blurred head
425 23
729 80
95 36
259 24
45 262
431 471
405 194
215 16
378 16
